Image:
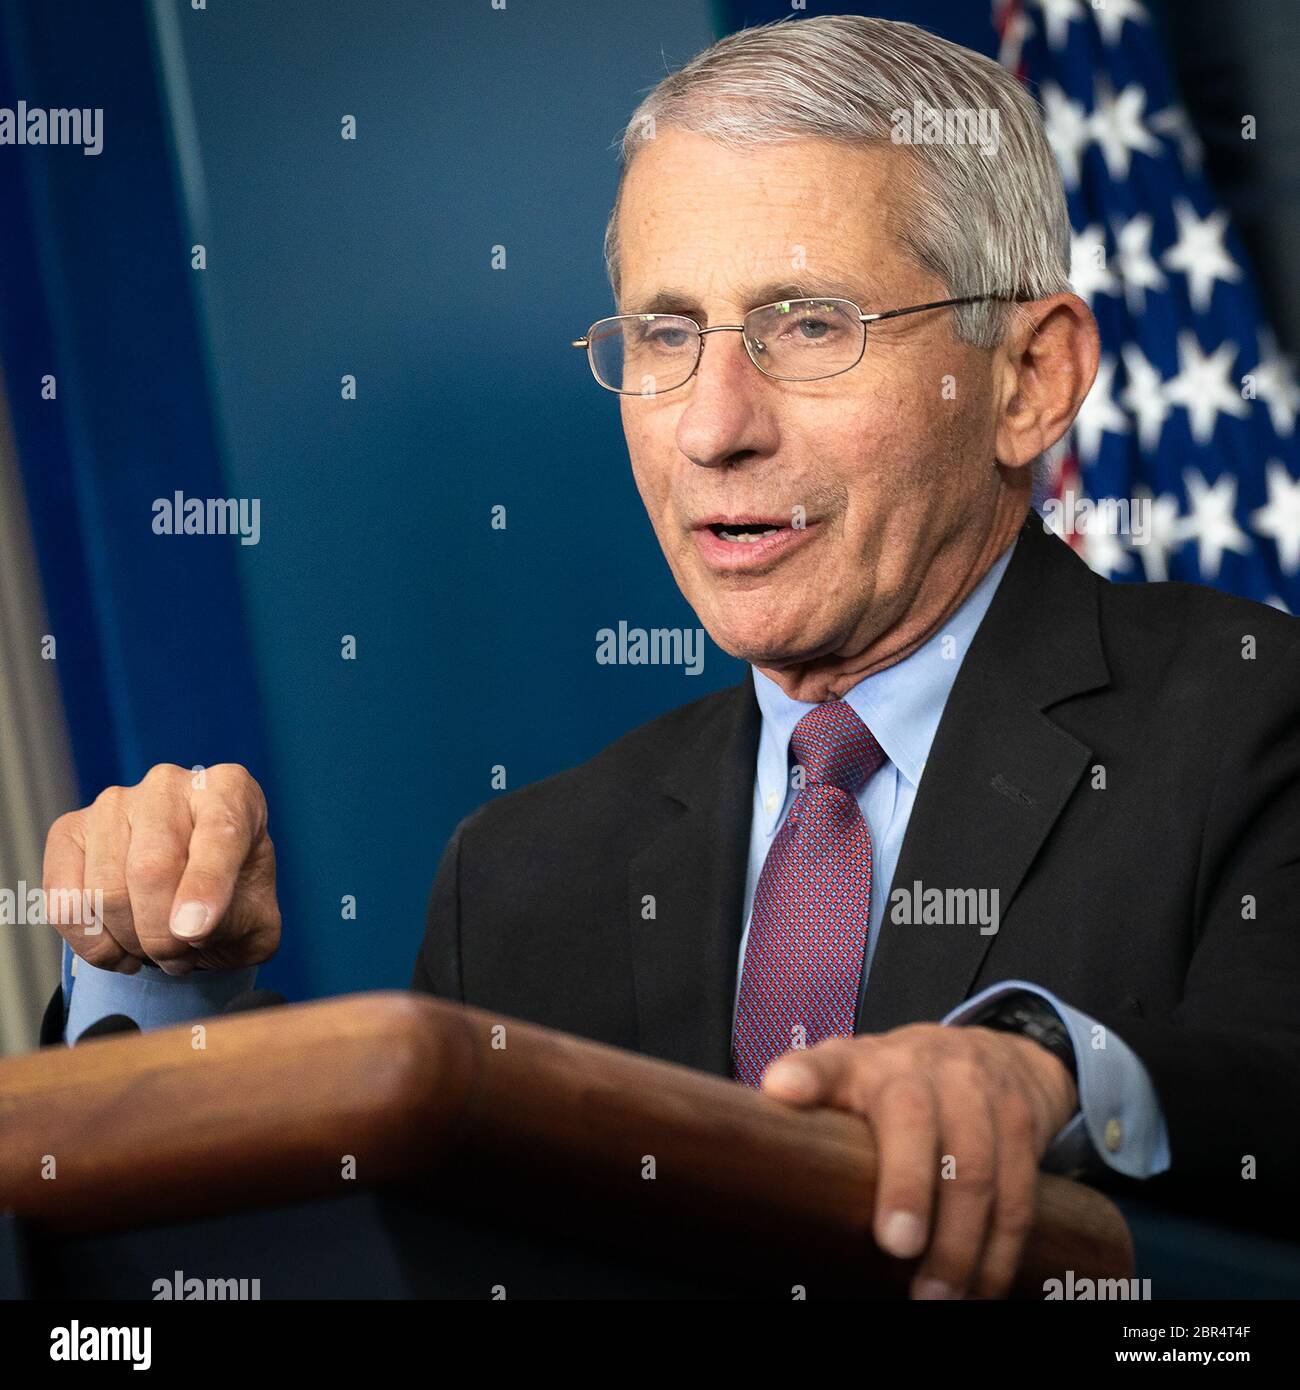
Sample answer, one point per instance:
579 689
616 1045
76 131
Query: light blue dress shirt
151 997
902 705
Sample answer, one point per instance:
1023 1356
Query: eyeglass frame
585 341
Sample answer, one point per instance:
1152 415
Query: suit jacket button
1114 1136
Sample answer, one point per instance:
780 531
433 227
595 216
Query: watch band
1032 1017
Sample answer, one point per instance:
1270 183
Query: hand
988 1102
186 870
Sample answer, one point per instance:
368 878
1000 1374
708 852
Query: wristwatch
1027 1014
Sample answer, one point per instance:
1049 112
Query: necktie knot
835 747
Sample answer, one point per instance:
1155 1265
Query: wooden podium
486 1150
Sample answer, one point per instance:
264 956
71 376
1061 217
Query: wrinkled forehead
702 221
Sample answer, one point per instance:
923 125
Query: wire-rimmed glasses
790 340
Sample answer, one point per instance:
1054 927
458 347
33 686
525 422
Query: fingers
227 821
863 1075
161 827
180 874
63 879
1017 1188
906 1121
815 1076
107 837
967 1181
958 1145
903 1111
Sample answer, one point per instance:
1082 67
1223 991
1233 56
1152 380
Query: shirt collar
901 705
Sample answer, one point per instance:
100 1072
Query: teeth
746 536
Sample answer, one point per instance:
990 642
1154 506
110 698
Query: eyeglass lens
798 340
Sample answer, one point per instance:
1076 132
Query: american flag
1193 412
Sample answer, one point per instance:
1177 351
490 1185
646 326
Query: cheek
651 454
878 459
650 484
906 466
914 432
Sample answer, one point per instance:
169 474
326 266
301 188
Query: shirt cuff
151 997
1119 1123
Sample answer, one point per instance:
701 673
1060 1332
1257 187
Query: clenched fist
185 867
962 1118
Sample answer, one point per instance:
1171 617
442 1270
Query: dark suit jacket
1131 900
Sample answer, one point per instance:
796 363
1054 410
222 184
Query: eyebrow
674 301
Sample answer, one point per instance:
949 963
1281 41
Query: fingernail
903 1234
190 919
932 1288
790 1079
175 967
129 966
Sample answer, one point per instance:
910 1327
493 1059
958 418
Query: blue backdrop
475 647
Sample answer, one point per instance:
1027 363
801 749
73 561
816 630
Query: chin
756 642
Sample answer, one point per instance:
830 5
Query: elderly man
994 853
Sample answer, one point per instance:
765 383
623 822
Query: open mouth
749 544
743 532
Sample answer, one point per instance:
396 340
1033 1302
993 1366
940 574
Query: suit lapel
998 776
692 864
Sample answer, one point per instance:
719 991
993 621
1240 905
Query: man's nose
726 418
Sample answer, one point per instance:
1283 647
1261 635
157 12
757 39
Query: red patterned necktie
808 930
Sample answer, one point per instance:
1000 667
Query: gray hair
983 225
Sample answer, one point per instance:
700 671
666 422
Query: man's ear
1048 361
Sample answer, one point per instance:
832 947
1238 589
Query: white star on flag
1111 15
1211 523
1281 517
1088 272
1057 18
1132 259
1203 386
1173 122
1200 253
1102 550
1144 397
1117 127
1275 384
1164 534
1068 131
1099 412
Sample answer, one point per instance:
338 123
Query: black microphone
253 999
111 1023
